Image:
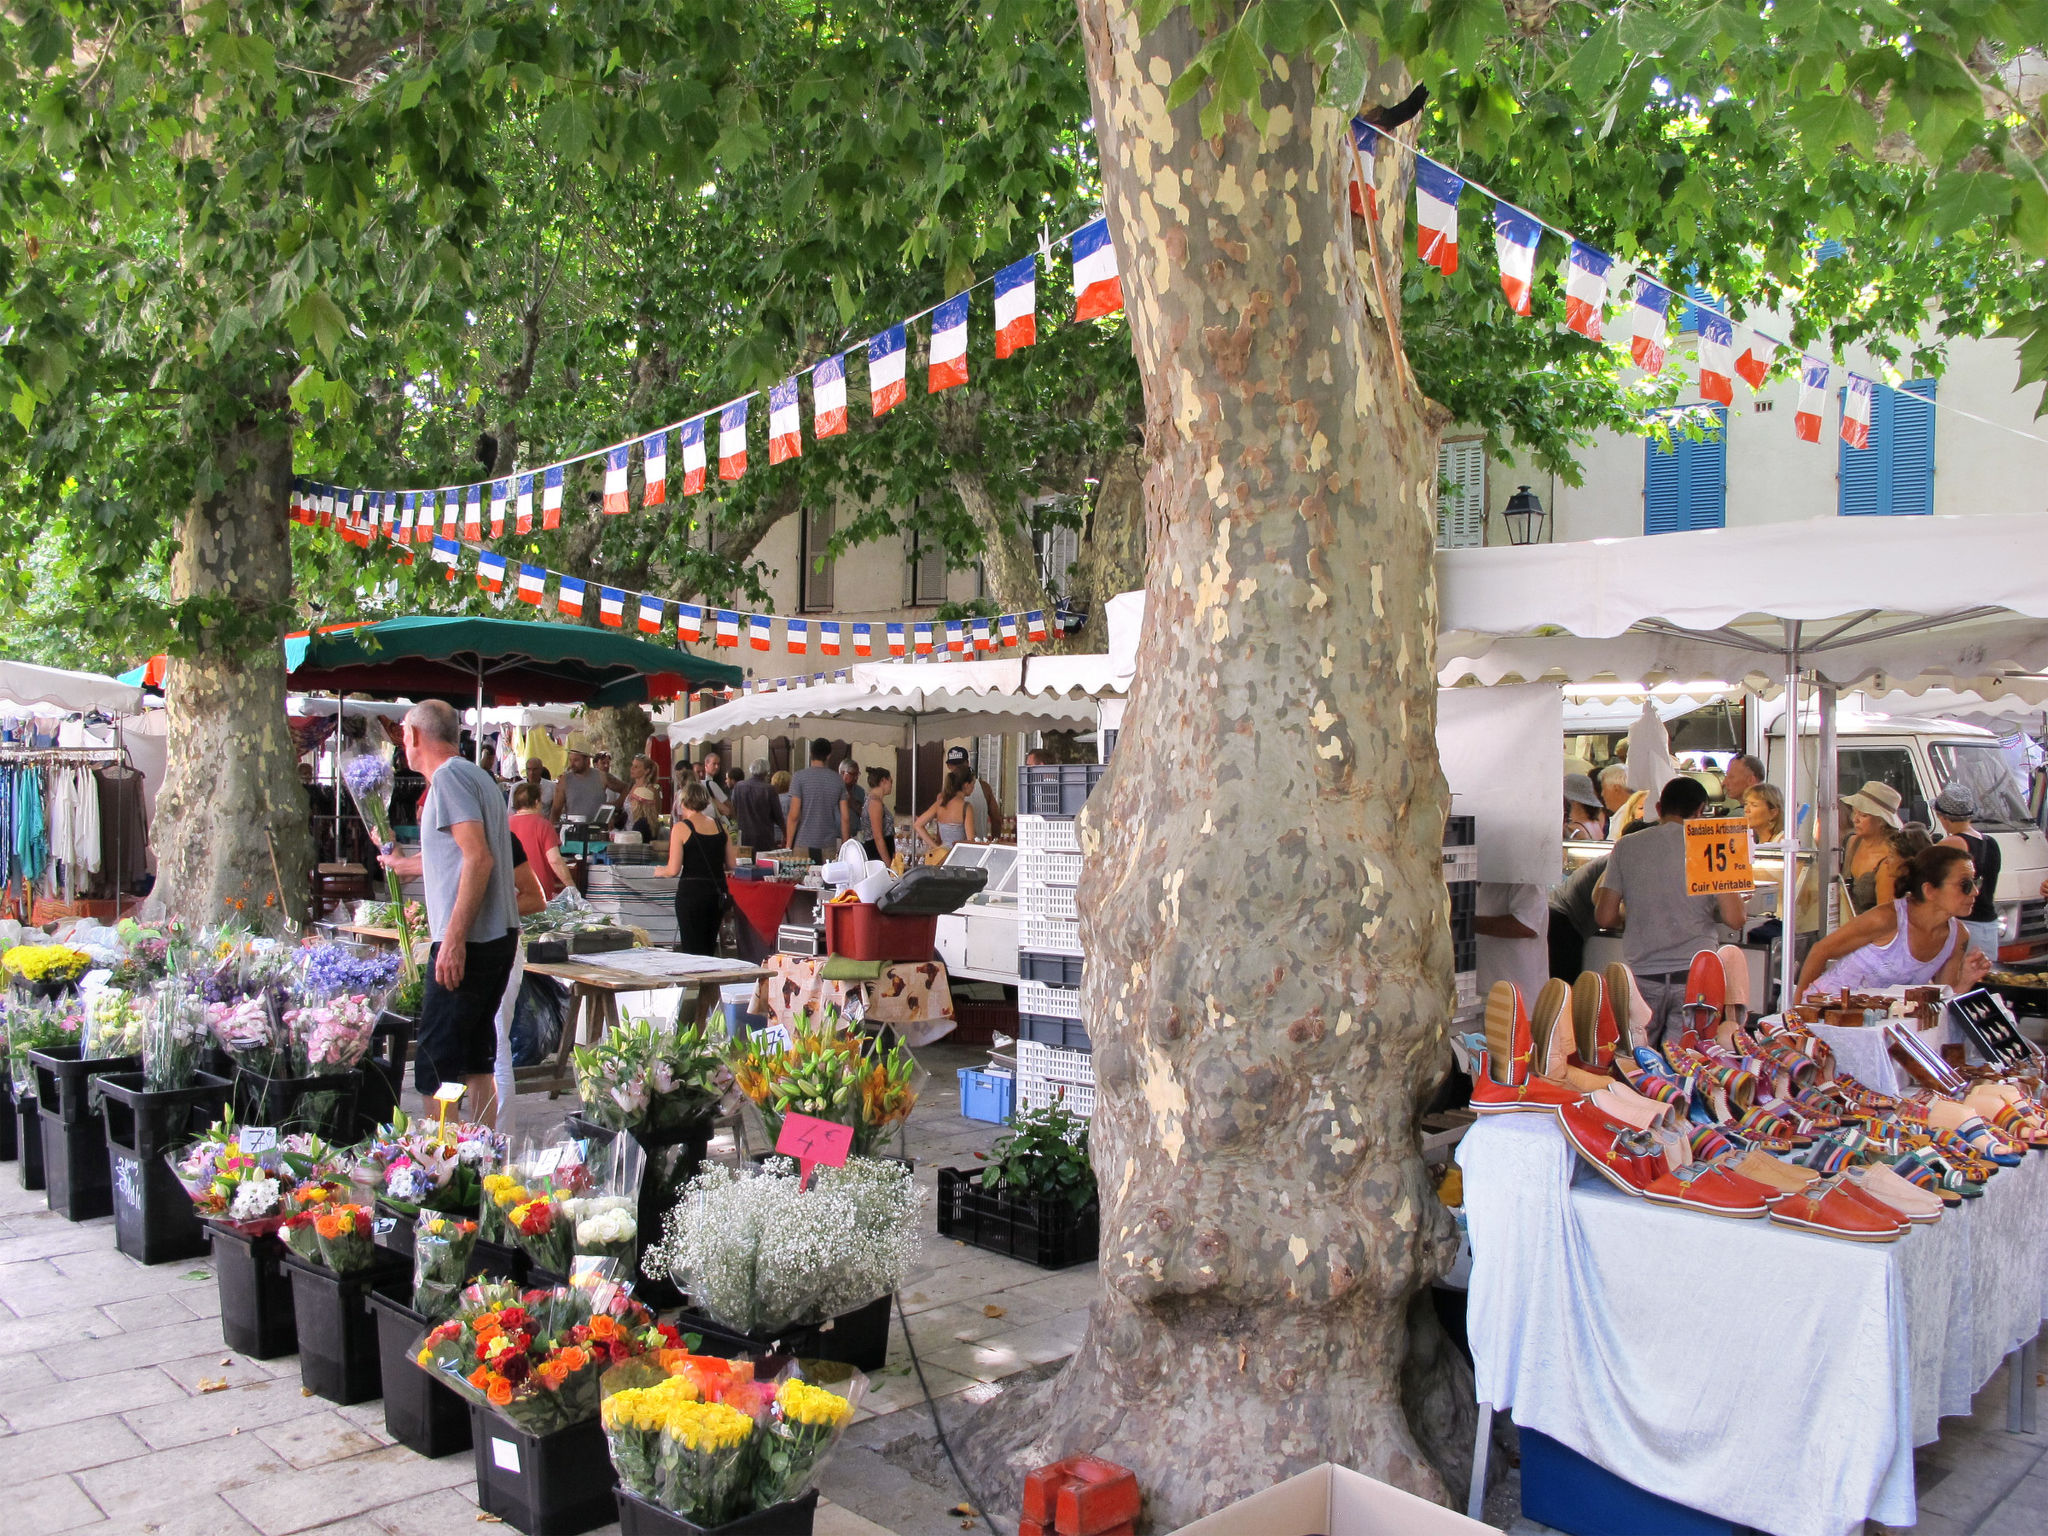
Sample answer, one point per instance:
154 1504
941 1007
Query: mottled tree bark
231 833
1269 960
1113 547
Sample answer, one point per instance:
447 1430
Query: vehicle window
1857 766
2001 792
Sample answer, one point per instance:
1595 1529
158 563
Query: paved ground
121 1411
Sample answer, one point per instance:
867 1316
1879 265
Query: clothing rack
114 756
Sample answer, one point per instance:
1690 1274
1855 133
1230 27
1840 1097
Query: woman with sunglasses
1910 942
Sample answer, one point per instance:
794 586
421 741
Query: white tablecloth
1775 1378
1862 1053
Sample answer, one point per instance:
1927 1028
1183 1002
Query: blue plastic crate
1564 1490
987 1096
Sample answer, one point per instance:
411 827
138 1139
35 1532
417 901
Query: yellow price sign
1717 857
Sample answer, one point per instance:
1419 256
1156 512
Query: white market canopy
25 683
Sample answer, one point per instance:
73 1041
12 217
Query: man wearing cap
1955 807
977 792
581 789
1585 815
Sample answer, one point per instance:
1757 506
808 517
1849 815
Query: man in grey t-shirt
1643 894
465 863
817 807
581 789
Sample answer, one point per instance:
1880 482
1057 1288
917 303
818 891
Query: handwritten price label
257 1138
814 1142
1717 857
776 1035
451 1093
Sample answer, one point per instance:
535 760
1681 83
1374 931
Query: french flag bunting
1717 348
500 494
1515 238
921 639
1365 195
1585 289
728 628
799 636
615 480
1813 398
1034 624
894 633
956 638
357 502
1098 290
569 599
611 607
828 637
522 510
984 638
732 441
1857 402
828 397
785 423
296 506
423 530
758 627
692 438
1436 215
447 551
654 466
885 370
650 615
949 345
317 505
863 639
490 571
533 585
551 499
451 513
1652 307
406 515
1006 629
1754 365
473 514
1017 306
689 622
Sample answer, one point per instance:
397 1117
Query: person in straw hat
581 789
1870 867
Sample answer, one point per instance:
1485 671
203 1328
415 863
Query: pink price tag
812 1142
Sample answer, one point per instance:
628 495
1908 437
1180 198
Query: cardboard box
1333 1501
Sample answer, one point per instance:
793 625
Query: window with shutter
816 531
1685 317
1685 486
927 571
1461 494
1894 476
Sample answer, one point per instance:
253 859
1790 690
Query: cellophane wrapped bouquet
36 1024
650 1079
829 1072
417 1164
113 1019
347 1242
369 779
45 964
246 982
441 1247
530 1203
257 1192
759 1253
175 1034
537 1356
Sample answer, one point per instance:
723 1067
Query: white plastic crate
1460 865
1048 935
1047 866
1046 1073
1052 1002
1468 989
1056 901
1047 834
1043 1092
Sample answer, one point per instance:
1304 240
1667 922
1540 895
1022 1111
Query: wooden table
594 991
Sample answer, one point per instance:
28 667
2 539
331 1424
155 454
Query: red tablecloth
762 903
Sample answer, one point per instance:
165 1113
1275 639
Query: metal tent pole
1788 893
476 743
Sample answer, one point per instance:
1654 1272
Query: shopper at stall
818 819
699 854
642 802
878 817
1874 816
950 819
1624 808
1572 920
711 769
856 795
581 789
781 783
1744 774
1510 920
1643 893
1585 817
532 830
1955 807
756 808
465 862
1913 941
977 792
536 777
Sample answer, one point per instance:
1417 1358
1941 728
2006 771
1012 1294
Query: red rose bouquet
345 1238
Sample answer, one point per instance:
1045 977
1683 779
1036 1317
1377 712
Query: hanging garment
124 828
31 830
57 808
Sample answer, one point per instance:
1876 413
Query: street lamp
1523 515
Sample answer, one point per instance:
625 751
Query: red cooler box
859 931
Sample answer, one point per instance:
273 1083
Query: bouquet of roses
251 1033
802 1427
36 1025
330 1037
441 1247
650 1078
640 1406
604 1227
369 780
345 1238
526 1203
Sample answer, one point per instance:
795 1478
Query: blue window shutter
1688 320
1686 487
1663 488
1709 488
1912 450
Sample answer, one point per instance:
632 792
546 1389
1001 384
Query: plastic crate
986 1096
1043 1092
1468 989
1051 1002
862 931
1461 865
1047 834
1051 1061
1053 901
1068 1034
1053 970
1460 831
1048 1233
1049 935
1057 789
1047 866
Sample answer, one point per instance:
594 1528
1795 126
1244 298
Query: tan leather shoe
1550 1030
1909 1200
1787 1178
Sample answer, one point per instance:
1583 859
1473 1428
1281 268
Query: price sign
776 1035
547 1162
383 1226
812 1141
1717 857
257 1138
451 1093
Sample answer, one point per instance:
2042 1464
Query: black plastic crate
9 1137
383 1070
256 1314
1048 1233
154 1219
78 1175
1464 954
338 1353
859 1338
545 1485
1461 831
1053 970
500 1261
421 1412
64 1081
1045 1029
643 1517
28 1142
1057 789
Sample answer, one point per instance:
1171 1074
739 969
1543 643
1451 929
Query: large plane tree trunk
232 837
1269 959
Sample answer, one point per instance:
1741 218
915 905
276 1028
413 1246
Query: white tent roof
23 682
868 712
1057 677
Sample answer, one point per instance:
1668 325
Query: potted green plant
1035 1198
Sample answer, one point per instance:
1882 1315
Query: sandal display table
1776 1378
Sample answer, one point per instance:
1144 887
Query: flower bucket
10 1139
338 1351
78 1177
28 1140
859 1338
545 1485
384 1069
419 1412
256 1314
154 1219
324 1104
644 1517
1048 1233
672 1160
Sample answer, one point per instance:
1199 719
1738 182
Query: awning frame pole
1788 875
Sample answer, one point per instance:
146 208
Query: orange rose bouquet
345 1239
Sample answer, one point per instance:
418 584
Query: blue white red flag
1858 402
828 637
490 571
956 639
921 639
1717 347
569 597
828 397
1017 306
615 464
1034 624
1585 289
1813 399
894 633
863 639
728 628
451 513
1515 238
654 464
473 514
1365 195
1436 215
1098 290
785 422
692 439
689 622
533 582
522 510
885 370
650 614
1755 363
446 551
799 636
983 637
758 627
949 345
406 515
611 607
551 498
1006 626
1652 306
501 493
732 441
